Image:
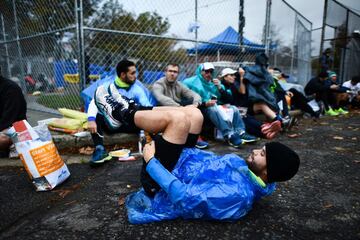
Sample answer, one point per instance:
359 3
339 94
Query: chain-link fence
290 36
57 48
340 49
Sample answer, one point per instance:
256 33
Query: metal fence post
196 32
293 45
6 47
241 28
267 26
22 73
343 57
322 33
80 43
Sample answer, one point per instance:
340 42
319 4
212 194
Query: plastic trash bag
39 155
66 123
69 113
217 188
314 105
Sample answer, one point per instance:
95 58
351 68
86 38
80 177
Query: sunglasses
209 71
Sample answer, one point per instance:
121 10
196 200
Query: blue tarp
70 67
149 77
228 36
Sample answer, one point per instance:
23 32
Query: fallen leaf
324 123
86 150
293 135
338 138
63 193
309 129
68 203
340 149
121 201
354 138
329 205
128 186
356 161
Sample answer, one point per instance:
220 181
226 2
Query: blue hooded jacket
206 89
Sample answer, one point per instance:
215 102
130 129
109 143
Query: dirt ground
321 202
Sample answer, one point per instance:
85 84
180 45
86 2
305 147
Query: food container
122 153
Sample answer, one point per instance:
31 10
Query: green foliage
72 101
47 15
43 15
113 16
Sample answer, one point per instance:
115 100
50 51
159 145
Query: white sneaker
113 91
106 105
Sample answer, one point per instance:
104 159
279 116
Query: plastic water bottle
142 141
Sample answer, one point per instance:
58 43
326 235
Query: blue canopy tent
228 41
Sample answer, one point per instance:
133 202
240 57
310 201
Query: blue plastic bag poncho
204 186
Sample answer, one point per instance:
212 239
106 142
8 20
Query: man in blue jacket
182 181
205 186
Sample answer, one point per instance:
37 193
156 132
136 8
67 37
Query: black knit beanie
282 162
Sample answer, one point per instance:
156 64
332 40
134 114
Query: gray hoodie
173 94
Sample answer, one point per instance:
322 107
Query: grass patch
71 101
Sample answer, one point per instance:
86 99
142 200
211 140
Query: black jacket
12 103
315 86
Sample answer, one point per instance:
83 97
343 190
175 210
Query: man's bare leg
262 107
173 124
193 114
175 127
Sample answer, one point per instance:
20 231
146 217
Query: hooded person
259 82
210 187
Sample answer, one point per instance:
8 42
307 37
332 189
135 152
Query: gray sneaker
106 105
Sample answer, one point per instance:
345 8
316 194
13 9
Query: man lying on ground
205 186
